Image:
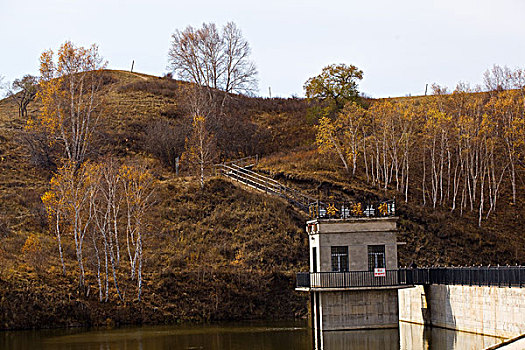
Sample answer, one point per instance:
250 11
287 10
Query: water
251 336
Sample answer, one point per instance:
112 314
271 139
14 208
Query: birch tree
328 138
351 120
69 93
200 149
68 202
53 201
138 189
217 59
108 204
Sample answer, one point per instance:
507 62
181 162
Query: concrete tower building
353 278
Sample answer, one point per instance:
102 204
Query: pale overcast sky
400 45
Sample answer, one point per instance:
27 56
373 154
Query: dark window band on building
339 259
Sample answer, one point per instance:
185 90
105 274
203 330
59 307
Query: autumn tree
507 110
498 78
456 150
343 135
107 205
69 92
106 202
53 201
352 119
4 86
200 150
336 85
329 138
138 189
218 59
69 210
23 92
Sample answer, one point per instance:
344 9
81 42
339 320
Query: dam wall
495 311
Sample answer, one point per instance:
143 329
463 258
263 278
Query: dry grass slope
213 254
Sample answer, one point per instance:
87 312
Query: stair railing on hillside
246 162
250 178
239 170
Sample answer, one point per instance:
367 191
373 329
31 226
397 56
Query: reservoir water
240 336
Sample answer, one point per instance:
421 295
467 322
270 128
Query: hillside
432 236
220 253
217 253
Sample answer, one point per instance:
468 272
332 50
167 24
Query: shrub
165 140
32 251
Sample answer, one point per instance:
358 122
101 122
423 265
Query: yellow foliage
32 245
325 135
69 99
239 257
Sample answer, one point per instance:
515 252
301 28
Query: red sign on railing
380 272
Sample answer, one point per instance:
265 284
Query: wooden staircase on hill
240 171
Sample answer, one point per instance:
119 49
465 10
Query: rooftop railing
345 210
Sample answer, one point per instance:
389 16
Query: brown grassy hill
213 254
432 236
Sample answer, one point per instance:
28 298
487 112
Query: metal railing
245 162
265 184
239 170
351 279
500 276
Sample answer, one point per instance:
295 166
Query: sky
400 45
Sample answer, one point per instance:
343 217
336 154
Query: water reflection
413 336
387 339
253 336
408 337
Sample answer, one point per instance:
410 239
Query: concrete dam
354 281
